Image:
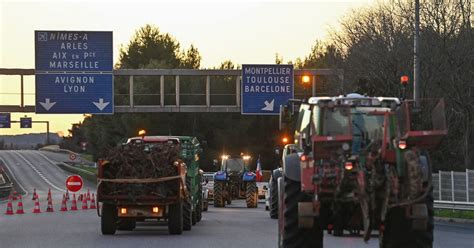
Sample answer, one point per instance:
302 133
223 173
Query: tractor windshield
234 165
366 127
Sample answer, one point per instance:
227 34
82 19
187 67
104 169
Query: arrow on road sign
47 104
101 104
269 105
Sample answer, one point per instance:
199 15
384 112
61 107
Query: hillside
26 141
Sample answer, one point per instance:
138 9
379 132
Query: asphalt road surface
234 226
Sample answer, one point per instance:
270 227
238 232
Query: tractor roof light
246 157
224 157
285 140
404 80
142 132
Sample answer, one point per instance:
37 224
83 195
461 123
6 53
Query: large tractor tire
273 198
175 218
219 195
338 219
199 205
126 225
293 236
251 195
108 220
187 208
398 229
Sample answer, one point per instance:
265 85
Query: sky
246 32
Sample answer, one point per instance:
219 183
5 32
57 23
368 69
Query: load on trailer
139 181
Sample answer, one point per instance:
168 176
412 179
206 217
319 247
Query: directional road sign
5 119
74 183
74 72
25 122
265 88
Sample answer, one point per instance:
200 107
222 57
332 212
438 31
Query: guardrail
454 190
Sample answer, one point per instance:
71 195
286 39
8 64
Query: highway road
234 226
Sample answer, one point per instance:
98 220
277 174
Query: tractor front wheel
251 194
219 194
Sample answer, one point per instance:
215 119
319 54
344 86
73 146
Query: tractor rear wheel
187 207
219 194
251 194
292 235
108 220
175 218
273 198
399 232
199 205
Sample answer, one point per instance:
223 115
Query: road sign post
5 120
74 183
74 72
265 88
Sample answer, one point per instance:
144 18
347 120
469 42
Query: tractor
235 181
365 165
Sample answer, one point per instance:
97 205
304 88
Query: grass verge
461 214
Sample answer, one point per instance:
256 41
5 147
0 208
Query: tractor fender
291 167
277 173
249 176
220 176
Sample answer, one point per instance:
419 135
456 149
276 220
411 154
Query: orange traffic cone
67 195
49 194
9 206
34 195
20 206
88 195
50 205
74 203
37 209
84 202
15 195
63 204
93 202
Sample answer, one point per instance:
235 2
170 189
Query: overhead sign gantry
74 72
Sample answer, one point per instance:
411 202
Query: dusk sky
245 32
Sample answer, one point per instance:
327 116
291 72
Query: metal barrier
454 189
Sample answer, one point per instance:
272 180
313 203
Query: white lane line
38 172
14 178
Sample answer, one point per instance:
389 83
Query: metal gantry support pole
162 90
208 91
22 92
131 90
237 91
177 90
452 186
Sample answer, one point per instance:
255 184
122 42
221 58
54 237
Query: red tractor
365 165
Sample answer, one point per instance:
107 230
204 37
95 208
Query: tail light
402 144
123 211
348 166
304 158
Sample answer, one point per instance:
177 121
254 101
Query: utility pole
416 58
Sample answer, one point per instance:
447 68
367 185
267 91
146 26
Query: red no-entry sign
74 183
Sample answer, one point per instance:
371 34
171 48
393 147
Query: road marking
38 172
14 178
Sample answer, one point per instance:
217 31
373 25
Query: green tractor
190 150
